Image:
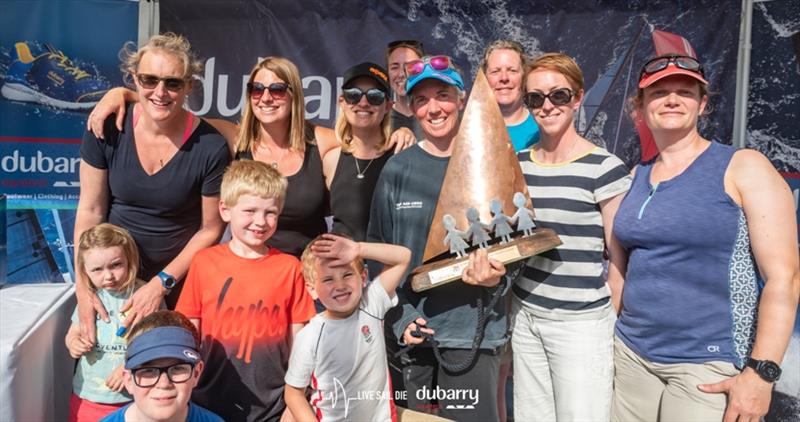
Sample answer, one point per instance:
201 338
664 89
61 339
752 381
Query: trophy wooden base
442 272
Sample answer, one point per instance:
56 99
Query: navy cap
159 343
368 70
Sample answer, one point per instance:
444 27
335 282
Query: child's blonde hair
164 319
107 235
250 177
310 260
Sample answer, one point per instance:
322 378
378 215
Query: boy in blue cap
162 366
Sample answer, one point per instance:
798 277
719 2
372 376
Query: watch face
770 370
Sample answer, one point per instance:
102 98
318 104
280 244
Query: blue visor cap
449 76
160 343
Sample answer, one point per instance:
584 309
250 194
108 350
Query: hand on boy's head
340 250
482 271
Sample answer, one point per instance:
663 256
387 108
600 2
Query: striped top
566 198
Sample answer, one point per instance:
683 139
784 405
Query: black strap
480 330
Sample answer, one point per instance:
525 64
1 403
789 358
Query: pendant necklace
359 173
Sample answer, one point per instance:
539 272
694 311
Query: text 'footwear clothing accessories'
42 74
557 97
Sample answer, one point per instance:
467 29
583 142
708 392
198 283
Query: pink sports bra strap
187 132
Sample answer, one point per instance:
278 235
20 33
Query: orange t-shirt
246 308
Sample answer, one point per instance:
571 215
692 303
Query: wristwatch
768 370
167 281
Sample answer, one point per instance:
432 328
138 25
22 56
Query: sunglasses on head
415 67
682 62
353 96
414 44
152 81
277 90
557 97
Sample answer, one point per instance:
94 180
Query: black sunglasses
152 81
374 96
683 62
413 44
148 376
557 97
277 90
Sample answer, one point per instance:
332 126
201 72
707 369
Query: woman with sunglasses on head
705 226
159 177
362 129
402 210
563 311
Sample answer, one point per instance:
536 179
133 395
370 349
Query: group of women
679 232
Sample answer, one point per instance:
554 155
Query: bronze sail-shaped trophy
484 175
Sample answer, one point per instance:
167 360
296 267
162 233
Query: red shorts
81 410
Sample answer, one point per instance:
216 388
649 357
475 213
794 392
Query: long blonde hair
298 129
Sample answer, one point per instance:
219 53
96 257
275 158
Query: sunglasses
277 90
415 67
353 96
413 44
557 97
682 62
152 81
148 376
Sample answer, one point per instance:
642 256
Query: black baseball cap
369 70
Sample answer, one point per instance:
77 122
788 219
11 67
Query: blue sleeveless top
691 287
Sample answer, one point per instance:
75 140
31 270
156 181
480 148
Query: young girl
108 259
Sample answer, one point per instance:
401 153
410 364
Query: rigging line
613 149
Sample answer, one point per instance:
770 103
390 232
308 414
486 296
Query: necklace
275 162
359 173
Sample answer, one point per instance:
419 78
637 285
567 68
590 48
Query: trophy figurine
484 178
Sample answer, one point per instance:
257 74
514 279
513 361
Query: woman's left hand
748 396
401 139
144 302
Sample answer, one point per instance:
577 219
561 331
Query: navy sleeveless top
305 206
691 287
351 196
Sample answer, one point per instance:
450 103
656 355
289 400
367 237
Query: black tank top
351 196
305 207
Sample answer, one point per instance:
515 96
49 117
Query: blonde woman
362 128
159 178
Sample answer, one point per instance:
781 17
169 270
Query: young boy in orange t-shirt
247 300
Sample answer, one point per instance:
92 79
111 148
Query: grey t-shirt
401 120
402 209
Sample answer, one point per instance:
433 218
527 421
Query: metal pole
743 76
148 20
